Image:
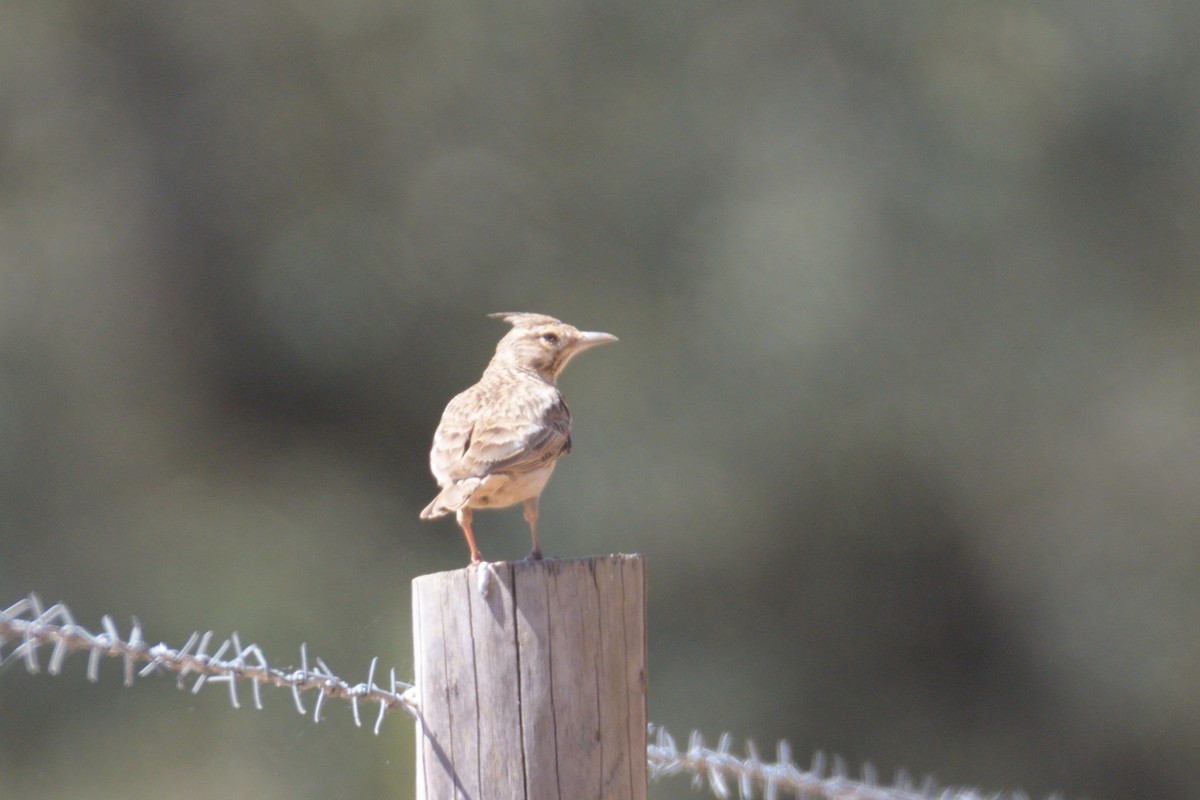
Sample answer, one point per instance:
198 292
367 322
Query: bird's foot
534 555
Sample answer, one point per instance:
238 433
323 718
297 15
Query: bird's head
542 343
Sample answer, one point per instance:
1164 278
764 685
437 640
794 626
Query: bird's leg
464 521
531 516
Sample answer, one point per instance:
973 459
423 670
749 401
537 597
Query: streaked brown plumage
498 441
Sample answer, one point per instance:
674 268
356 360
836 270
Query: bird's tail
451 499
435 509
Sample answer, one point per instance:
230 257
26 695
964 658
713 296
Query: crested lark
497 442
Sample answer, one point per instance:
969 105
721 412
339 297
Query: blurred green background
905 414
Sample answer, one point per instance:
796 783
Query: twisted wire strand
227 661
751 777
33 626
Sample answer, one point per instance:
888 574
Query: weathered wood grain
538 690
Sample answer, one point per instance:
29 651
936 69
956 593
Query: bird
498 441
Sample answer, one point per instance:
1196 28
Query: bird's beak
588 339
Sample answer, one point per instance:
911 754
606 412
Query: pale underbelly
501 490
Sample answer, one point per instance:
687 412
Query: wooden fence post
537 690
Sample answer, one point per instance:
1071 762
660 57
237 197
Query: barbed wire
751 777
34 626
55 628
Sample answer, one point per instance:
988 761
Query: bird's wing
525 447
515 435
451 441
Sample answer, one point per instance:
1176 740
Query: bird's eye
550 338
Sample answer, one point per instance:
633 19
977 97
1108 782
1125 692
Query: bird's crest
523 319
